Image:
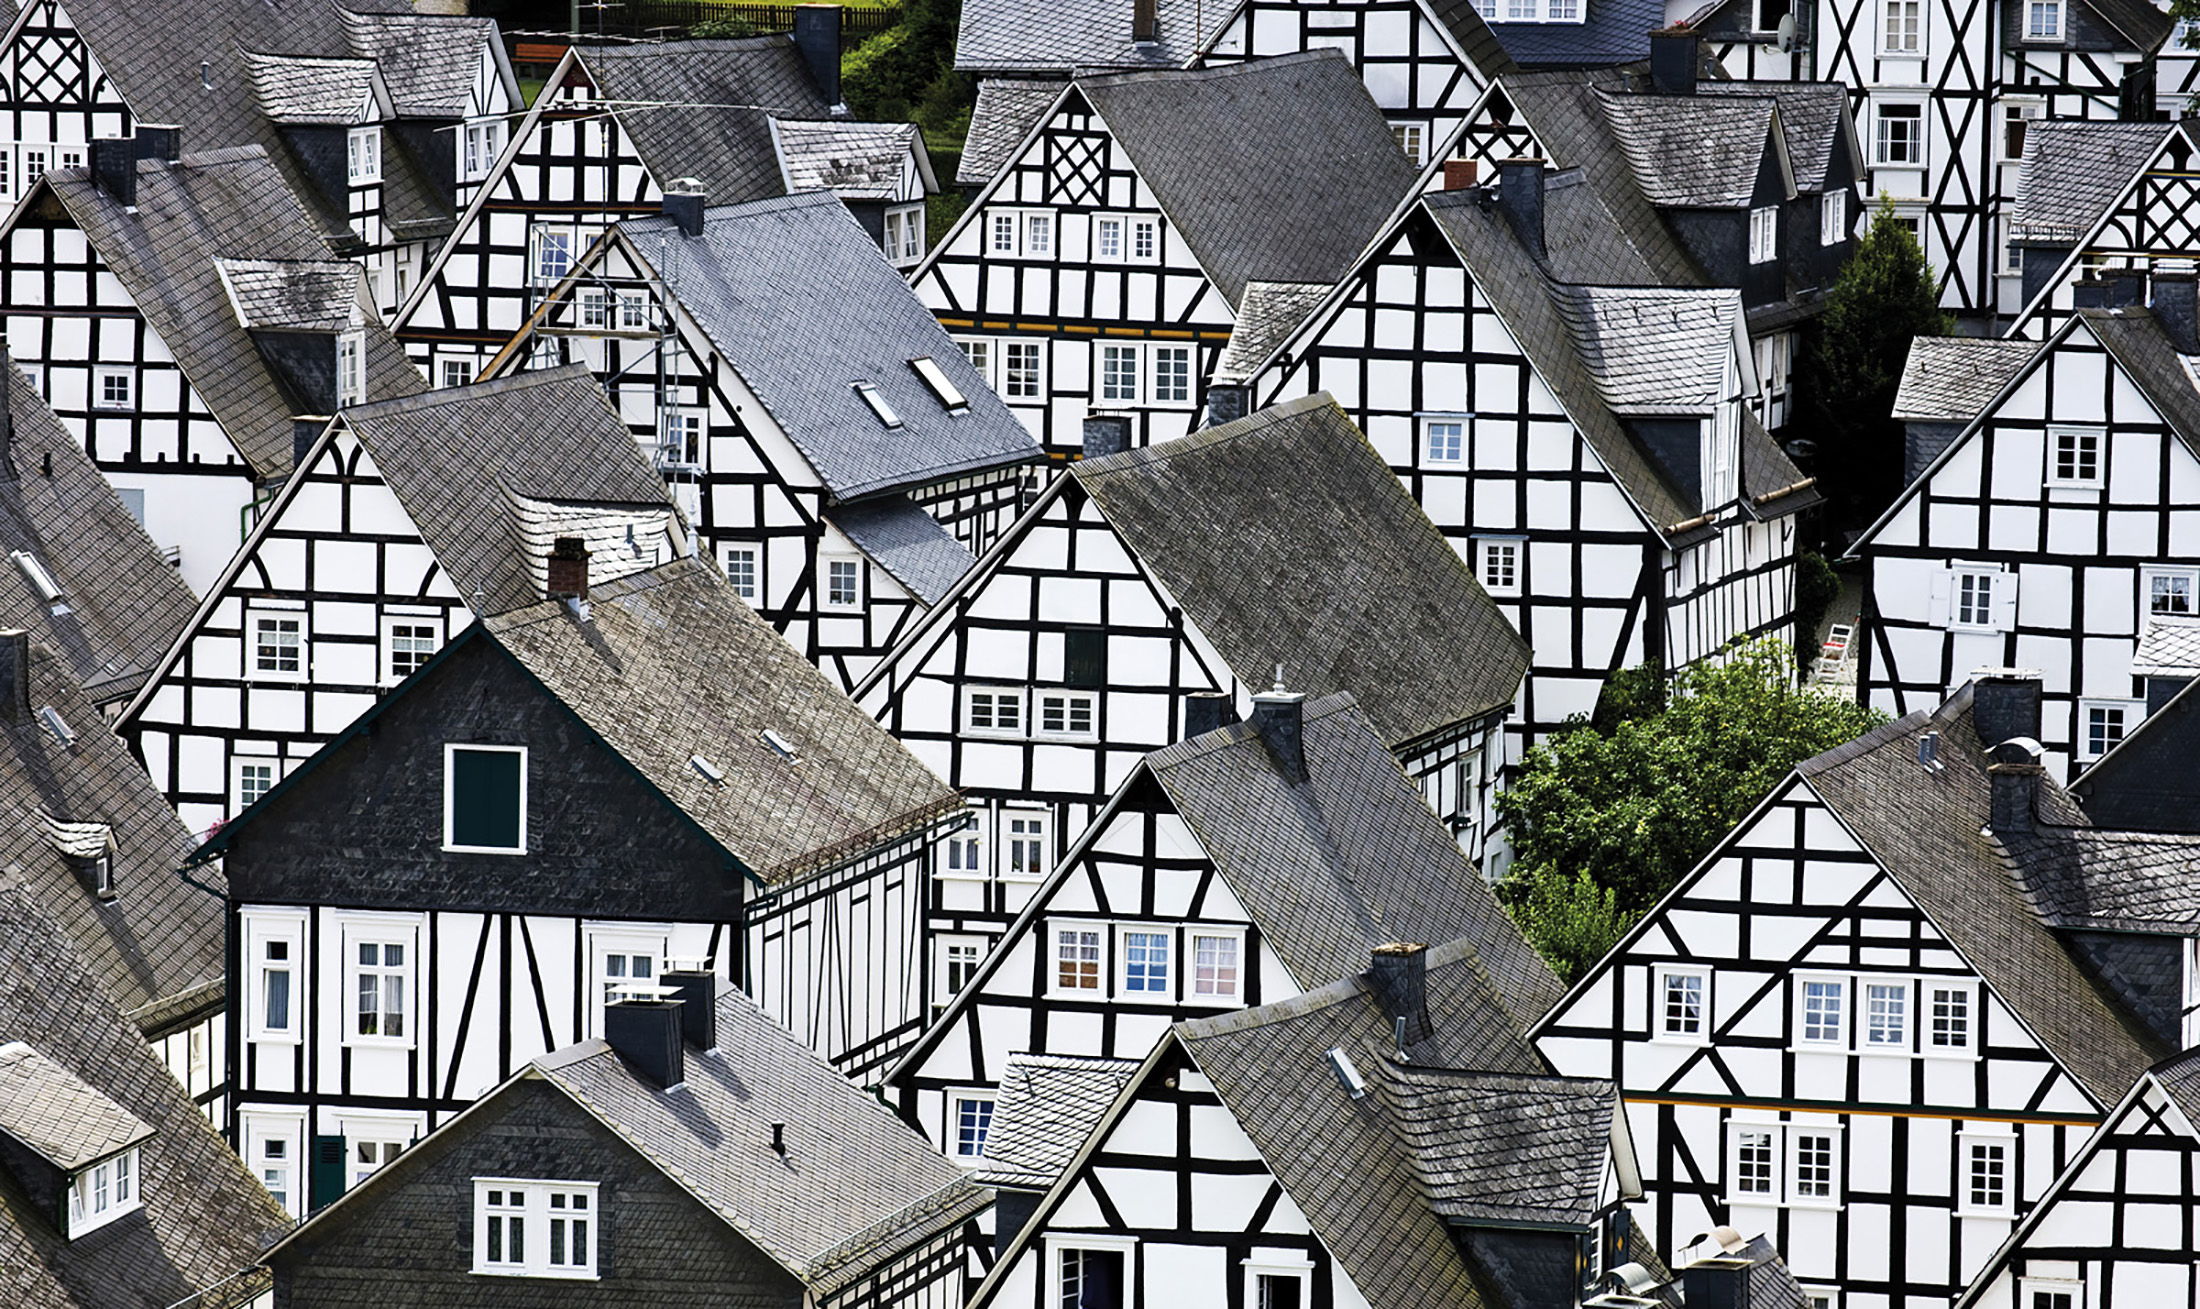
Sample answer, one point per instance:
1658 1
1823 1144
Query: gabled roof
1326 158
672 665
855 161
1021 36
1006 111
57 1115
703 109
1610 32
754 282
1951 379
205 1216
857 1183
2073 171
123 603
1654 350
2169 647
1267 314
1927 830
1286 539
907 542
191 214
1694 152
1347 859
1505 1148
428 61
293 295
2089 879
1815 125
296 91
2140 23
1044 1110
157 945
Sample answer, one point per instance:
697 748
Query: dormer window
1764 232
351 369
2043 20
103 1193
484 142
363 155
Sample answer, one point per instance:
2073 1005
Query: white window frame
1785 1160
1863 1024
1272 1265
944 988
1011 382
237 766
1903 39
390 624
256 613
2036 30
1764 234
981 351
2029 1287
1833 217
962 853
536 1212
544 237
109 1190
355 930
455 372
1926 1002
903 230
1189 966
1412 139
1957 574
2132 711
1112 358
1182 391
601 941
1069 698
1777 1162
450 748
1037 233
2147 574
952 1137
1058 1248
483 142
263 928
286 1175
1911 111
363 155
829 569
1838 1042
998 692
351 369
1793 1160
2025 112
1486 560
1966 1141
382 1127
750 553
1821 1297
1166 994
104 374
1659 1032
1446 448
2077 437
1057 930
1021 827
1137 239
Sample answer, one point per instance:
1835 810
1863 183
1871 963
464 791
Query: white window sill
1814 1202
484 849
1214 1001
1989 1215
991 734
1685 1040
1950 1056
1069 738
275 1038
589 1276
961 875
377 1043
1095 995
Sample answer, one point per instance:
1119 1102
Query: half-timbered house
2116 1230
1868 1023
1945 91
117 1191
1579 432
1102 270
2053 534
1947 381
407 520
566 796
179 313
1196 566
1238 868
696 1151
2145 782
1386 1140
841 468
2099 202
614 128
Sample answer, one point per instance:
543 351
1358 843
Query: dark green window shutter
1085 657
326 1171
485 798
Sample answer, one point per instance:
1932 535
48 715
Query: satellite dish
1784 42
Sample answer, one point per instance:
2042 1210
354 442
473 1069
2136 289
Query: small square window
278 645
255 778
973 1119
1146 955
2170 591
2074 458
1020 365
2103 724
1119 373
408 644
596 309
1412 138
113 388
457 372
485 799
994 710
1825 1003
1446 442
1067 713
1217 965
843 583
1949 1018
741 570
1497 563
555 248
1900 130
1887 1015
959 957
1684 1004
1077 959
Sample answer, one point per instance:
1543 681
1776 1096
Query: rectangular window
1951 1018
1281 1290
363 154
2104 724
2170 591
535 1229
1024 833
554 251
276 963
963 852
2043 20
1986 1168
1833 218
973 1118
633 312
1412 138
1145 240
34 167
1038 230
1497 563
104 1192
382 977
1085 657
959 958
407 644
1824 1001
484 142
113 388
368 1156
1146 963
1077 959
277 645
1066 713
979 351
1001 233
994 711
1974 599
741 571
1887 1015
1172 374
351 369
2040 1294
1764 233
1899 131
1753 1162
485 798
1684 996
2016 124
255 778
458 372
1020 370
1814 1165
1107 239
1119 373
2075 458
1090 1279
905 235
843 583
1216 964
1446 443
596 309
1898 29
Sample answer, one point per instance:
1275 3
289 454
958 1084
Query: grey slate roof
1505 1147
1814 123
2087 878
2180 1078
57 1116
427 60
857 1182
1007 110
1653 350
2073 171
1950 379
456 457
1611 32
2140 23
2170 647
754 281
1327 159
907 542
1348 859
1025 36
297 91
1926 830
1691 152
1771 1284
1582 241
855 161
205 1217
1287 540
703 109
1770 480
1047 1105
125 604
157 945
672 665
1267 314
293 296
222 204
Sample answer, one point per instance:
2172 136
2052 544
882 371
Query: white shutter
1942 605
2005 602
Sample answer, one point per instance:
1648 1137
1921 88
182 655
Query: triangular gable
2125 226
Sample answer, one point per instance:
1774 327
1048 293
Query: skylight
51 717
779 744
41 581
936 378
878 403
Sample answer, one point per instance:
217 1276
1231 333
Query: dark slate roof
223 204
2143 25
703 109
1653 350
855 161
2180 1079
907 542
2143 350
124 603
205 1217
754 283
1344 1163
57 1116
1690 152
427 61
857 1183
1474 37
1611 32
293 296
1267 314
1582 242
2086 878
2170 647
1814 123
157 945
1771 1284
1505 1148
297 91
1058 36
1047 1106
1951 379
672 664
1327 159
1346 860
1770 480
1007 110
2073 171
1926 829
468 463
1286 539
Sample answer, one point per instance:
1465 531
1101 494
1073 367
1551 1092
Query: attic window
780 746
936 378
877 402
49 591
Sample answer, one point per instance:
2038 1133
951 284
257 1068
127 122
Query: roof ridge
510 382
1204 439
1215 72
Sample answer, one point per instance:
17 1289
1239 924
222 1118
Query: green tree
1885 297
1606 816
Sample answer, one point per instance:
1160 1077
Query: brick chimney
646 1033
1280 718
568 569
1460 174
